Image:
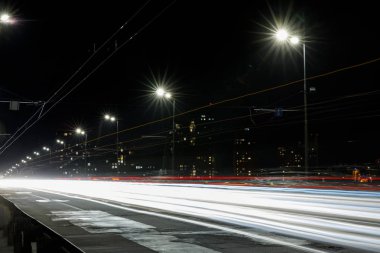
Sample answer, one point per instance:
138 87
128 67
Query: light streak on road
345 218
143 234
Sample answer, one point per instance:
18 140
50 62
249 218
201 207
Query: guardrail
23 234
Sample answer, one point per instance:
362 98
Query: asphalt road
125 217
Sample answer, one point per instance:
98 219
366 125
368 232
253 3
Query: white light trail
349 219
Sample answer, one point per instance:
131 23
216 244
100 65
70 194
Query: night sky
207 51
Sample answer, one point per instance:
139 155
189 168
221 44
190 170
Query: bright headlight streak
349 221
251 235
150 190
269 221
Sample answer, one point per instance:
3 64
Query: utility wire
202 136
5 146
231 99
96 51
258 114
280 86
91 72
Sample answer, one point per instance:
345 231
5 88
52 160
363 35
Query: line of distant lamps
78 131
159 93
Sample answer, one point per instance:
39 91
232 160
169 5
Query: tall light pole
113 119
47 149
161 93
306 131
79 131
61 142
283 36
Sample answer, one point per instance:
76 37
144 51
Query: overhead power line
16 137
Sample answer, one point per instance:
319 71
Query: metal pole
85 153
117 141
64 151
305 111
173 140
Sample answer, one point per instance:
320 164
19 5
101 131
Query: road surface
98 216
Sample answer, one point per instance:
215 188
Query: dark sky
207 50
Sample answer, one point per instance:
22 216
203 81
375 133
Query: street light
47 149
111 118
79 131
5 18
161 93
62 143
283 36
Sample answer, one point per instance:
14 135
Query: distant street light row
160 93
78 131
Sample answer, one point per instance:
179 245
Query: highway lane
200 218
96 226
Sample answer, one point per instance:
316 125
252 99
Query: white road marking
250 234
43 200
51 200
95 221
40 197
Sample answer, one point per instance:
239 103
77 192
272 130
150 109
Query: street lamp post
113 119
173 133
283 36
82 132
306 132
61 142
47 149
160 92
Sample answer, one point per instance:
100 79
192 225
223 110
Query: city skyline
223 53
203 148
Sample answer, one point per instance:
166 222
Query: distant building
243 154
314 151
69 155
289 157
195 152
